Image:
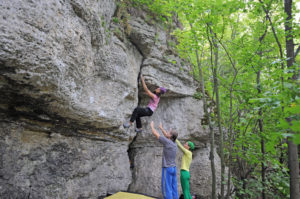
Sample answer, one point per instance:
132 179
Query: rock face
68 80
36 165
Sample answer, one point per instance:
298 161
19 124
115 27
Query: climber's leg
138 113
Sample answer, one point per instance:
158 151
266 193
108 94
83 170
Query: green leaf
283 124
295 127
296 138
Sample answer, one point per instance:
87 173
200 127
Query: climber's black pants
138 113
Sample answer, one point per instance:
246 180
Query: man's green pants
185 184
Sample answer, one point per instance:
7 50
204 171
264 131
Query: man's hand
152 124
160 126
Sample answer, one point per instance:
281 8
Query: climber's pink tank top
153 103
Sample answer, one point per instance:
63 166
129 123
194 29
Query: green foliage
198 95
122 16
277 183
115 20
118 33
171 44
103 24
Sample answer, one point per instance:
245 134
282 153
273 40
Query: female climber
148 111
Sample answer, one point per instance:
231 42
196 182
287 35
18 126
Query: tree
293 161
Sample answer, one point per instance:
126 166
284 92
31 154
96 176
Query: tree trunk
294 169
262 141
205 107
288 34
260 125
293 161
212 136
216 87
230 140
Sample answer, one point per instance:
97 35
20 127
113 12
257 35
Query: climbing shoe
126 125
138 130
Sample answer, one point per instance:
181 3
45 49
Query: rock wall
68 80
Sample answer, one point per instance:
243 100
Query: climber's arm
149 93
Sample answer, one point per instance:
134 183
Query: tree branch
297 51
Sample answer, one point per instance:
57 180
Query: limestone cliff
69 79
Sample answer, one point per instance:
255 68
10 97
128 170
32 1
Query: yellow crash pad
123 195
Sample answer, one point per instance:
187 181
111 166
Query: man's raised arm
154 131
163 130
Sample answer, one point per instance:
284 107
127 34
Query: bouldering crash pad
125 195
